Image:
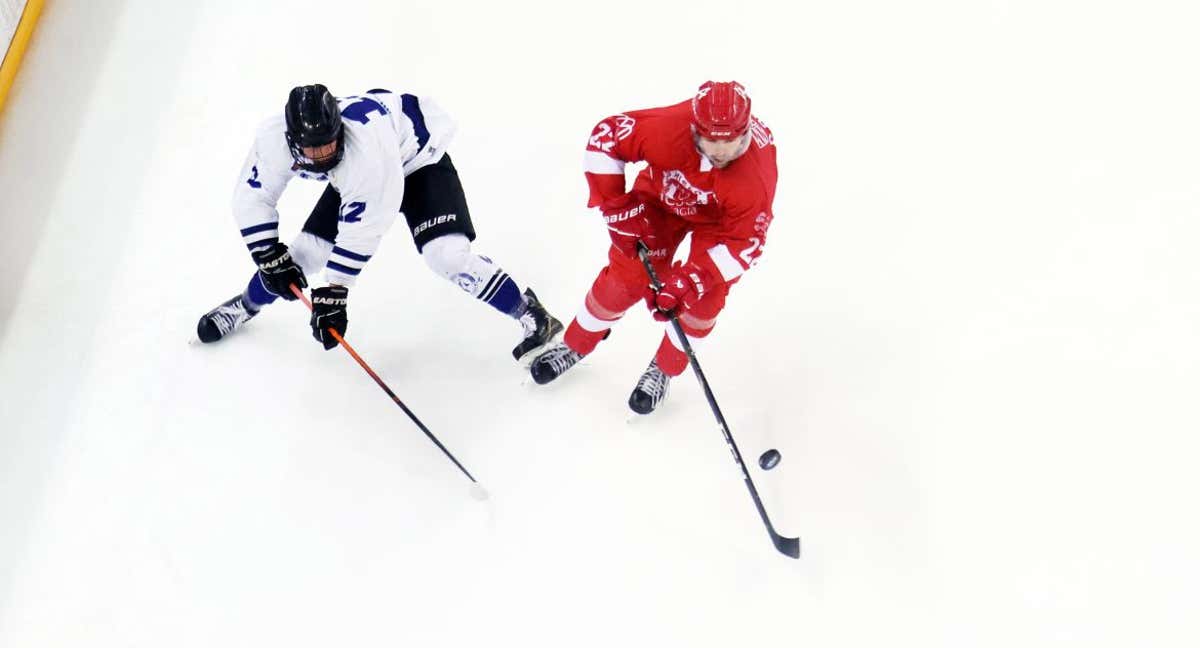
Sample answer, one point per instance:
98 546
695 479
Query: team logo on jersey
624 126
610 131
681 195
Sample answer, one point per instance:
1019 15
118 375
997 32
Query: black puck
769 459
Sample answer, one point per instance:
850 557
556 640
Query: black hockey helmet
313 119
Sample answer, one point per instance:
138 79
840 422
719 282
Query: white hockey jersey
387 137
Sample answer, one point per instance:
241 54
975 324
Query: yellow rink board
16 49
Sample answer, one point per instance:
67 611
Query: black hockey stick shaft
382 385
787 546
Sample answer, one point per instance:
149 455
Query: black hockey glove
329 311
278 270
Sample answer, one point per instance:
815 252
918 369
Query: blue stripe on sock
487 289
499 284
507 298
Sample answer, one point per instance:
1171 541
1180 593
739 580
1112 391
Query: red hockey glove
627 222
683 284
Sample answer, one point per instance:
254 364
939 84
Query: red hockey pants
623 283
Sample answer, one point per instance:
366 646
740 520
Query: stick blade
789 547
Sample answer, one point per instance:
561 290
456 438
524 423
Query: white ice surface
974 337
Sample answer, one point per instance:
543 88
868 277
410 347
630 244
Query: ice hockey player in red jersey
711 173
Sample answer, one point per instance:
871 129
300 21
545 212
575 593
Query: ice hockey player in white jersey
382 154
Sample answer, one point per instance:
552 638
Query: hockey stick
787 546
379 381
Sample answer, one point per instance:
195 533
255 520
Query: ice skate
540 328
651 390
222 320
553 363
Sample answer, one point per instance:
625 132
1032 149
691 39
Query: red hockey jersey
729 209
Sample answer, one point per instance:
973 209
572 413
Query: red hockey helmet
721 110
